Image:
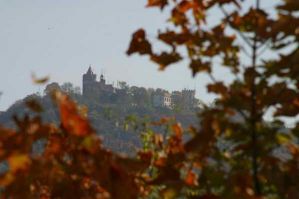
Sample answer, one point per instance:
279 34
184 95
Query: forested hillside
119 119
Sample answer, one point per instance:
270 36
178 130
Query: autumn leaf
178 18
218 88
290 5
191 178
168 193
34 105
157 3
6 132
283 139
7 179
165 59
18 162
186 5
145 156
70 118
91 143
175 141
160 162
172 38
199 66
222 2
39 80
177 129
139 44
55 144
162 121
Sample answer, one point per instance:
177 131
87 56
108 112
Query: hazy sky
60 38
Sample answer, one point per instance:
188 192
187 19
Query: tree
140 96
51 87
77 90
69 88
234 153
123 85
259 86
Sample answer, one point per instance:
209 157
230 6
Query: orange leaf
157 3
175 142
185 5
177 129
160 162
191 179
18 162
70 118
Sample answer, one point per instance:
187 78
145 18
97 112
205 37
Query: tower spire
89 71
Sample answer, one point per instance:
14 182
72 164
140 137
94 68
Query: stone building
184 99
176 99
92 87
162 99
95 89
188 98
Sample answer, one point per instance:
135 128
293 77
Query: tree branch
246 40
253 116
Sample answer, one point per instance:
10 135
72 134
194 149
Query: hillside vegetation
118 119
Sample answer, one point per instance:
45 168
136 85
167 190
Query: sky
61 38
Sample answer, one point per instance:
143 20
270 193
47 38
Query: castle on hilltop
92 87
158 97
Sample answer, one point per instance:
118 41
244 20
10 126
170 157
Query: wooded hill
120 120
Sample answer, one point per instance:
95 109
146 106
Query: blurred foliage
235 153
243 148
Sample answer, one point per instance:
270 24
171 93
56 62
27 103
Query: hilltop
117 113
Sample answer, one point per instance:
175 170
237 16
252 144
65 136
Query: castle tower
188 97
89 82
102 79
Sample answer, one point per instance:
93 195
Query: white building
162 100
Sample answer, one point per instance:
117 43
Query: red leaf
191 179
165 59
199 66
70 118
157 3
139 44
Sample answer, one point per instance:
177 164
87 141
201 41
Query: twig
246 40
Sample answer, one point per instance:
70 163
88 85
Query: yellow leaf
282 138
39 80
169 194
18 162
